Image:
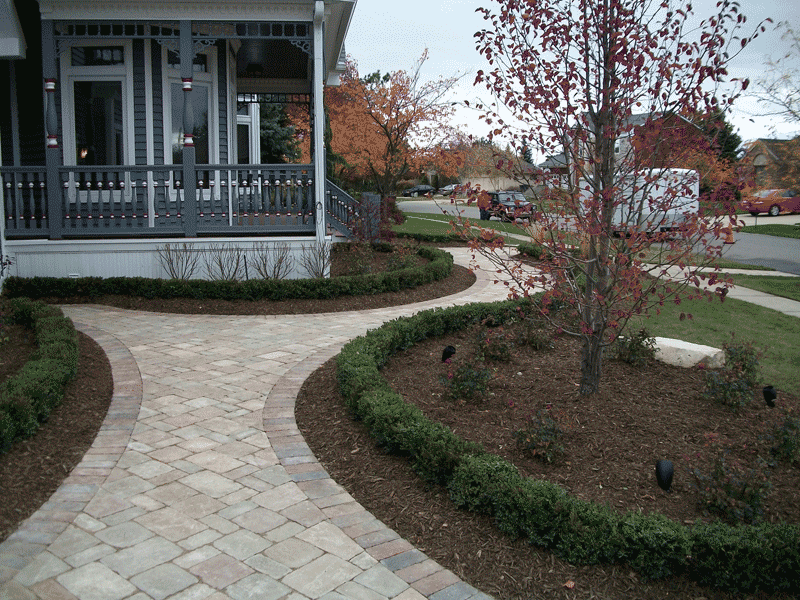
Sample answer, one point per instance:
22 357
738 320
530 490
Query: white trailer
654 201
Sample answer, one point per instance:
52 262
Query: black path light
447 353
664 473
770 393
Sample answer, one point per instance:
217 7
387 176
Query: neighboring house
126 125
557 166
481 169
647 142
772 164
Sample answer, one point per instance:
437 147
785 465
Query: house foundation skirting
148 257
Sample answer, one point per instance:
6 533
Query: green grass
714 324
787 231
440 224
785 287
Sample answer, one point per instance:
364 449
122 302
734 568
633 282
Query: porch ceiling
338 14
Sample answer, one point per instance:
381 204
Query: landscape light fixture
770 393
664 473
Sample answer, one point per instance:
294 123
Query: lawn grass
734 321
787 231
785 287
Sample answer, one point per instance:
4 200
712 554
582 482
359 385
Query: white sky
389 35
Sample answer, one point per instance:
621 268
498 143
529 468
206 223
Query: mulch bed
33 469
611 444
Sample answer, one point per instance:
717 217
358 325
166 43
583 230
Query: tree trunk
591 364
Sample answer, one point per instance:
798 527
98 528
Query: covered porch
127 121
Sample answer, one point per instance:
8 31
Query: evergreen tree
279 142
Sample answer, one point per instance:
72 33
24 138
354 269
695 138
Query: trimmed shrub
439 267
27 398
739 558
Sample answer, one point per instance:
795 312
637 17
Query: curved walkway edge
199 485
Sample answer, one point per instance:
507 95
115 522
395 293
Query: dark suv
508 206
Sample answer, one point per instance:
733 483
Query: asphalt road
782 254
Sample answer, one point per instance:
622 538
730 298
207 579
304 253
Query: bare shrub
179 261
316 259
273 261
223 263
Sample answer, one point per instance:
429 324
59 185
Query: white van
656 200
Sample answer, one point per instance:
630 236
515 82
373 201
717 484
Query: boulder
686 354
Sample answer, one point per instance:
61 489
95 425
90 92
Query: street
782 254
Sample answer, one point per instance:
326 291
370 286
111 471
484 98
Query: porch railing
152 200
352 217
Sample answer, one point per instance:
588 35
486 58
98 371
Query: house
126 126
645 141
772 164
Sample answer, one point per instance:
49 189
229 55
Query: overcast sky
389 35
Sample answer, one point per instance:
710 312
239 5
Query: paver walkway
199 485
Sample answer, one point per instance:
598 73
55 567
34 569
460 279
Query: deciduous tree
779 88
388 126
580 76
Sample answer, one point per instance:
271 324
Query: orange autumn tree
386 127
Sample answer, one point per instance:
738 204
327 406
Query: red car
772 202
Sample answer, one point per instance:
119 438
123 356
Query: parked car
419 190
449 190
772 202
508 206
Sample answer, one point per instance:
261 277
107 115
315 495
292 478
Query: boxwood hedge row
743 559
439 266
27 398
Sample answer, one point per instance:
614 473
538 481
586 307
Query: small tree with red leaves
615 88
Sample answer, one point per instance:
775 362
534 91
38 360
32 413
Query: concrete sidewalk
199 485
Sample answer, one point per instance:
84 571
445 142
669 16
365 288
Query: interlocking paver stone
96 582
242 544
293 553
331 539
382 581
143 556
220 571
322 575
200 486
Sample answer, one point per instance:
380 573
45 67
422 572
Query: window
99 125
96 111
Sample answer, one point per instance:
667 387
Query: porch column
318 110
53 158
189 213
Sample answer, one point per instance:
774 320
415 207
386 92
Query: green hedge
27 398
742 559
439 266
